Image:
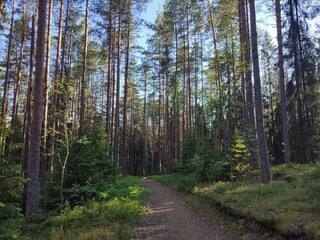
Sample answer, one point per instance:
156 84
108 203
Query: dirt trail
171 219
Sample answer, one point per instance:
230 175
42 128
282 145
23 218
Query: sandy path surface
171 219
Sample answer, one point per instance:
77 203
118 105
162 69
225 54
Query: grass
290 204
112 218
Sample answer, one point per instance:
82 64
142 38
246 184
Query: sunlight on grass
290 204
112 218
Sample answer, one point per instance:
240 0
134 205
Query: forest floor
170 217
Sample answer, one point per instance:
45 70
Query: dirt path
170 218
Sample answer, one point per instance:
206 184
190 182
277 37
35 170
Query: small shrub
11 189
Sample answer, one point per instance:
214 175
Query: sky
264 21
149 15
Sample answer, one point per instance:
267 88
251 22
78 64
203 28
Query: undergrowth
290 204
111 218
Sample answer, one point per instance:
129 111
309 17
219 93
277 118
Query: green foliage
87 170
11 189
215 167
203 160
189 149
240 156
126 188
111 218
179 182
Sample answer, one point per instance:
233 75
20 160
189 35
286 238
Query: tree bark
55 115
176 127
17 83
144 155
159 113
117 120
6 81
109 95
33 185
263 152
283 102
167 131
189 71
84 73
27 111
126 76
46 92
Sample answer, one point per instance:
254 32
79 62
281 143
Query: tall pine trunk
263 152
117 110
144 154
17 83
33 185
55 115
109 84
283 102
28 107
84 73
4 107
125 96
44 159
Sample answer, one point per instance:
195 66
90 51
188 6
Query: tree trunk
189 72
176 127
17 83
44 158
263 152
167 131
248 74
117 122
55 115
248 106
27 111
109 95
144 155
33 186
159 113
6 81
301 151
126 76
67 90
112 117
222 128
184 95
84 73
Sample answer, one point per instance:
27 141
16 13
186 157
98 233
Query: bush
11 189
88 171
204 160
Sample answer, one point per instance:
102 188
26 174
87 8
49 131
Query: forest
86 109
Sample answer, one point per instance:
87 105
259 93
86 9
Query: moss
290 204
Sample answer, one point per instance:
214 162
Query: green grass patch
112 218
290 204
179 182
